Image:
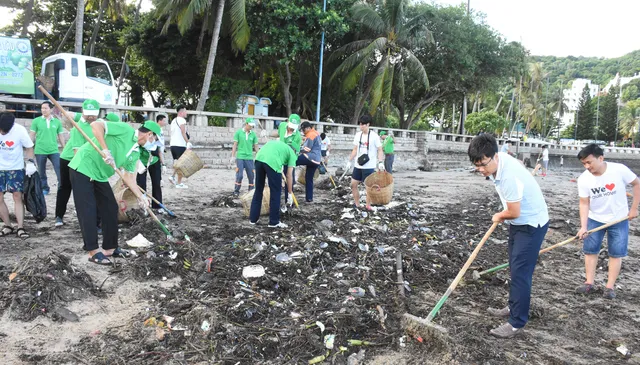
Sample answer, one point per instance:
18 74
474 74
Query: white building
623 81
572 99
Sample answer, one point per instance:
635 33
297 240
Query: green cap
77 117
90 107
251 122
112 117
383 133
293 121
153 127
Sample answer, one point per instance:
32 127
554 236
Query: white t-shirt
367 146
176 134
11 145
607 193
325 143
545 155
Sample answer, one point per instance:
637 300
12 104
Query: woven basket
188 164
379 186
301 176
126 200
248 197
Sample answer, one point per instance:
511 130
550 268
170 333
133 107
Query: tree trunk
463 115
453 118
498 105
203 31
28 14
260 80
96 28
285 82
361 97
441 129
77 49
300 85
66 36
121 77
204 94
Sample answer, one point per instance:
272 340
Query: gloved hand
290 199
108 158
327 153
381 166
189 145
143 202
30 169
263 133
164 169
347 166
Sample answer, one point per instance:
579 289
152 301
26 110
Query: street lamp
324 10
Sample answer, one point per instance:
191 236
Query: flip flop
3 231
100 259
21 233
120 253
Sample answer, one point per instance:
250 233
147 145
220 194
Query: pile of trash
42 286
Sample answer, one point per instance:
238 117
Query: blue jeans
293 183
41 161
524 244
308 176
264 172
617 239
241 166
388 162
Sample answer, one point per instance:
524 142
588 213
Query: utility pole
546 104
597 110
468 6
615 140
324 10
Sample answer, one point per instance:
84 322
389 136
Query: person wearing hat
289 134
112 117
46 132
245 142
270 161
310 157
152 157
179 142
14 138
90 172
90 111
366 151
388 149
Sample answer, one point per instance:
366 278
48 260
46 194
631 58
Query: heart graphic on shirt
610 186
9 143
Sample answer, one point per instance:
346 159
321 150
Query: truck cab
72 77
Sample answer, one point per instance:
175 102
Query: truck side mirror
59 64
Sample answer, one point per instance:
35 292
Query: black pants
97 200
263 173
155 171
64 189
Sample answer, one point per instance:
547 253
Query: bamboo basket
379 186
301 175
126 200
188 164
248 197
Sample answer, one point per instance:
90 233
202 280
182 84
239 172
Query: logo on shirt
602 191
7 144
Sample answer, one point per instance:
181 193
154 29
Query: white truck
67 76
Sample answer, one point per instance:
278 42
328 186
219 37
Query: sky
595 28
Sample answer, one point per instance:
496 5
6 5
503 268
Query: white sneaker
254 223
161 211
181 186
279 225
173 180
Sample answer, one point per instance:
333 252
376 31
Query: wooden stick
399 272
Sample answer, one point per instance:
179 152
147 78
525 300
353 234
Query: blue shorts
361 174
617 239
12 181
323 153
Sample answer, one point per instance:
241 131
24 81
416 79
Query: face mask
148 145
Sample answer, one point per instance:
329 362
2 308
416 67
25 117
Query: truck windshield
98 71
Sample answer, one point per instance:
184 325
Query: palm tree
381 63
629 116
79 24
114 9
184 12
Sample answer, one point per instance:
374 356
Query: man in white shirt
179 142
602 200
366 154
325 148
545 160
13 139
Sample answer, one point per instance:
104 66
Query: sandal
6 230
118 252
21 233
100 259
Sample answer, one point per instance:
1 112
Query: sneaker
283 209
504 312
173 180
45 192
181 186
236 194
609 293
254 223
585 289
506 331
279 225
59 222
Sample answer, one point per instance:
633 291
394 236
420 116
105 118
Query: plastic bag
34 198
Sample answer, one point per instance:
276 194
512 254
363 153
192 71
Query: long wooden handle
455 282
76 126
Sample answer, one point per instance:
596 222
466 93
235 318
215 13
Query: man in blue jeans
46 132
602 190
245 143
525 211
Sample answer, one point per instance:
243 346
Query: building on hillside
572 99
623 81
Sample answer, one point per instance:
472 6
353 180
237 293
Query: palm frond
387 87
348 48
378 82
364 55
353 77
240 31
415 68
398 81
369 18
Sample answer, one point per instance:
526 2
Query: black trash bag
34 198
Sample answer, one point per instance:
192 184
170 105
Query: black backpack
34 198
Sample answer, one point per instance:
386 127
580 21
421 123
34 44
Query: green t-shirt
277 154
144 157
294 140
46 135
122 141
387 145
76 140
245 144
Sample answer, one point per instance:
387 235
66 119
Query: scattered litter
320 325
139 241
328 341
206 326
253 271
363 247
283 257
357 292
623 350
347 216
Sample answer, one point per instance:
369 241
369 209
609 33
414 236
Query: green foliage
485 121
569 132
608 116
585 116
